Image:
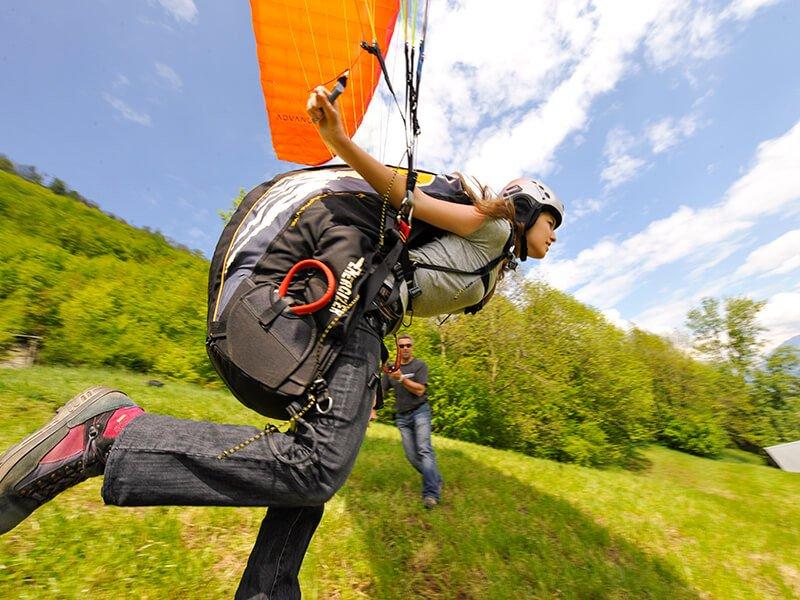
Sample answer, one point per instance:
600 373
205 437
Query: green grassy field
510 526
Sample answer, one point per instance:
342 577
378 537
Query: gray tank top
444 293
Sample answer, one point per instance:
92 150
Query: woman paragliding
150 460
295 330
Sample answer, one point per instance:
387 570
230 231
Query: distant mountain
795 342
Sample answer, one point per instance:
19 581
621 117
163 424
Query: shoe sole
27 453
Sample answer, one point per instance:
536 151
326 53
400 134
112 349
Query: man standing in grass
413 418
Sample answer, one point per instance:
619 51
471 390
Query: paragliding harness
301 261
299 265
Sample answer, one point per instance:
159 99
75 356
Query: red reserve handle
309 263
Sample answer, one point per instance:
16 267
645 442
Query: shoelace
71 473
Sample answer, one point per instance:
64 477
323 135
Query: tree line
535 371
538 372
59 187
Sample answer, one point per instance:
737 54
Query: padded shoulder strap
375 279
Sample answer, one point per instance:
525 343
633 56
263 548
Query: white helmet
530 197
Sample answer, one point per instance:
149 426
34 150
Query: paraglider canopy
303 44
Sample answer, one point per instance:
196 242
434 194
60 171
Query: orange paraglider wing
305 43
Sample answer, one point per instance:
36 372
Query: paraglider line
375 50
296 48
313 37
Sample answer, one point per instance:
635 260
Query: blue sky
670 128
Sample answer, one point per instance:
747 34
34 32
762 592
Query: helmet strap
523 244
523 249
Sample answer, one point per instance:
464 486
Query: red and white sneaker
72 447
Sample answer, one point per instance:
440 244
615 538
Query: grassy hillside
510 527
97 290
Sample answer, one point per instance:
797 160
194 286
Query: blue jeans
159 460
415 430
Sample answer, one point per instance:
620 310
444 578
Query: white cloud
503 112
198 234
621 169
606 292
127 112
669 131
598 58
169 76
621 165
582 208
615 318
745 9
781 318
709 257
693 30
780 256
181 10
666 317
500 112
684 31
609 270
120 81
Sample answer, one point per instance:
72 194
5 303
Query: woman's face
541 235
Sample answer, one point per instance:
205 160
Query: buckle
318 392
376 321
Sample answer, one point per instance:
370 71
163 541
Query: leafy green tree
776 394
743 332
226 215
6 164
759 404
686 396
58 187
542 374
708 329
30 173
731 336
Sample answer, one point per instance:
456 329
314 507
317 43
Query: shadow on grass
742 457
492 537
637 462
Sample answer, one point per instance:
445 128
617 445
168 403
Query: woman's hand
326 118
456 218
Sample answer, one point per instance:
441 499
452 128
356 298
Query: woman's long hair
493 206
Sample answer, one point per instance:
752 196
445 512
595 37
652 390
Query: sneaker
430 502
72 447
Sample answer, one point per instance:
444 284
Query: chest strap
483 272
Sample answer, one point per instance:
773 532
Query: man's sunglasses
404 345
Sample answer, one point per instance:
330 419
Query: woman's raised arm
456 218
